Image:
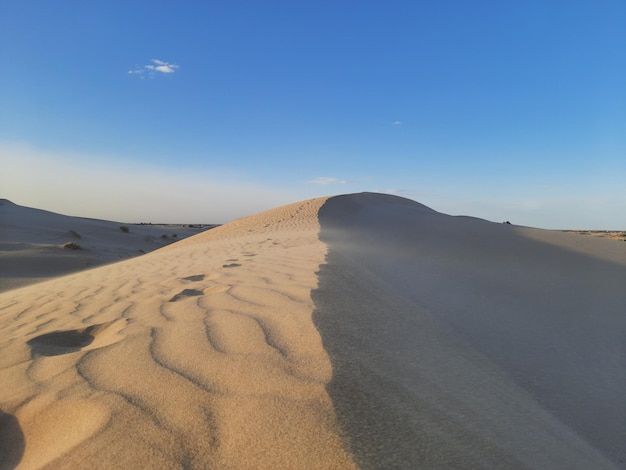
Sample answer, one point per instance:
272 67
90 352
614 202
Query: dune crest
201 354
462 343
357 331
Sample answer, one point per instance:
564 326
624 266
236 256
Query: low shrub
72 246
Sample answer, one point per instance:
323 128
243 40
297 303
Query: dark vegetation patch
72 246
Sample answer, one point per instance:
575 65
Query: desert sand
610 234
36 245
356 331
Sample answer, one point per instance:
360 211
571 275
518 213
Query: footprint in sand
69 341
231 265
186 293
194 278
200 277
197 292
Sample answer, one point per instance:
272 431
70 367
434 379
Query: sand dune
37 244
474 345
356 331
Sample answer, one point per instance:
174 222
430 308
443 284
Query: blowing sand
356 331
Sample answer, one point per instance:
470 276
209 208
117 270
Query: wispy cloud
326 180
399 191
397 123
155 67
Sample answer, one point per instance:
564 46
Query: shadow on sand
11 441
428 319
60 342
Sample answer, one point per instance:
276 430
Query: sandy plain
610 234
356 331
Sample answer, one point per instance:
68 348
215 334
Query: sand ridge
461 343
361 330
181 358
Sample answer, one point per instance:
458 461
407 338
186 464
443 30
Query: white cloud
397 123
326 180
399 191
157 66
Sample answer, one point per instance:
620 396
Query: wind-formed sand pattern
359 331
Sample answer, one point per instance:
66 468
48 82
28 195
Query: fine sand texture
357 331
36 245
200 355
460 343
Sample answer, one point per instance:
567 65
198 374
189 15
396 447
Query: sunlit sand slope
460 343
199 355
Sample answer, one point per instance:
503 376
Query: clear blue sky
206 111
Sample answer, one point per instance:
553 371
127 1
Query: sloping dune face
200 355
357 331
460 343
36 244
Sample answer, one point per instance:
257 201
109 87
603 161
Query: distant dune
37 244
357 331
